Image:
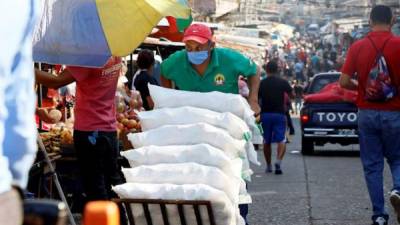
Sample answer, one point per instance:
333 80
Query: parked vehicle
323 123
313 30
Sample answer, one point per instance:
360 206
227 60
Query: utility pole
372 3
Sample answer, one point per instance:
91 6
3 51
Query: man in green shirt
202 67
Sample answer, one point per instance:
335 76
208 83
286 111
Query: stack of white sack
192 134
235 126
202 154
194 146
215 101
224 211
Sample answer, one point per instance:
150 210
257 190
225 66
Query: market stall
86 34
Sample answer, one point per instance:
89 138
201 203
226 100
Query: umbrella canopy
88 32
178 25
171 28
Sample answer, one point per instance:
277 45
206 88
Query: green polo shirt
221 75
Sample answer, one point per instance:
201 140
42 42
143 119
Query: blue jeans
379 133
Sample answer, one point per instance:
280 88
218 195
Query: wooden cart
164 210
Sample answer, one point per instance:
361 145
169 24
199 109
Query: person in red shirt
302 56
95 127
378 122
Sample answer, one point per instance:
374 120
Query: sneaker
278 170
268 169
395 200
380 220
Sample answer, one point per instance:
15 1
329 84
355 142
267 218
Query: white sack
190 134
185 173
203 154
225 213
235 126
215 101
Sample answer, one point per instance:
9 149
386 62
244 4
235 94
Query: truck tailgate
333 115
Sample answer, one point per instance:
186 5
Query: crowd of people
204 68
301 58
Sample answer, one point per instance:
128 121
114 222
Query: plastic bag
189 134
215 101
203 154
185 173
235 126
225 213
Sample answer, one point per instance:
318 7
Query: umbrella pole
39 94
159 52
55 178
131 66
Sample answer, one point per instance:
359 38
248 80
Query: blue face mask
197 58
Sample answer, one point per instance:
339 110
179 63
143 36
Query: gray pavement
327 188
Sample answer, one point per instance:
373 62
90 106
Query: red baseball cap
197 32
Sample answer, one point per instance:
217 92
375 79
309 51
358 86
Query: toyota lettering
336 117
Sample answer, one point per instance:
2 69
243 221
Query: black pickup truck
323 123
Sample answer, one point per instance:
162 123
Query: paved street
325 189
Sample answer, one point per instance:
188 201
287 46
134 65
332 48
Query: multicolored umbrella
171 28
178 25
88 32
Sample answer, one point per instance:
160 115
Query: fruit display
128 105
136 101
55 115
52 142
57 137
128 121
66 137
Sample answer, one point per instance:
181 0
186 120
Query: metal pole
40 100
55 177
131 65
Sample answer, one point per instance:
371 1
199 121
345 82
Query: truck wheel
307 146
